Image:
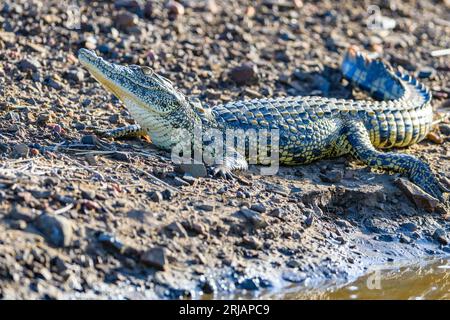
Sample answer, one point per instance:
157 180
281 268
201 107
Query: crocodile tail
379 80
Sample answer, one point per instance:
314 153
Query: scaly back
402 117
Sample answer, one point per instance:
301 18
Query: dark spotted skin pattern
312 128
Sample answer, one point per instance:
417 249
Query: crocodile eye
147 71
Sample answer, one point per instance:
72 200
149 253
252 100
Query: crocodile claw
443 187
223 172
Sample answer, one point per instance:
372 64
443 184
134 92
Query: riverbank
86 217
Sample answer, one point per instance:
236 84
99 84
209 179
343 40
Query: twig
439 53
25 107
85 167
152 177
64 209
5 137
138 153
83 153
24 160
441 119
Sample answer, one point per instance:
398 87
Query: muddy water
427 280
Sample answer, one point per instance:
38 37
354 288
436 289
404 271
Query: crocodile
309 127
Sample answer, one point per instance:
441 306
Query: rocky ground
85 217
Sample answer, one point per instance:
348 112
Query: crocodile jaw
160 125
100 69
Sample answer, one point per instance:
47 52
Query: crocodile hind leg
418 172
130 131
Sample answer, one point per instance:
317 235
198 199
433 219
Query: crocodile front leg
130 131
417 171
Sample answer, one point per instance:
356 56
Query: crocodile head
139 88
160 109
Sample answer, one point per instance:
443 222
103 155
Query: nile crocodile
310 127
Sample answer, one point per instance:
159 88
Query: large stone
56 230
155 257
420 198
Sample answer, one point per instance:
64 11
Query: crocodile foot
223 171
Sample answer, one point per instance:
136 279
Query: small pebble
125 20
175 9
29 65
21 150
148 9
155 196
110 242
253 217
435 138
309 220
258 207
440 236
244 74
18 224
76 75
444 129
205 207
409 226
426 72
134 6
